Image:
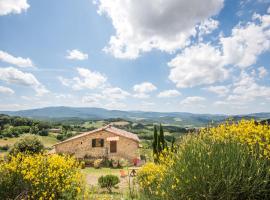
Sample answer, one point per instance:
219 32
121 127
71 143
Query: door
113 146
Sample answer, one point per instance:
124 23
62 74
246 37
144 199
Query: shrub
59 137
43 132
29 144
97 163
204 168
39 176
108 182
4 148
255 135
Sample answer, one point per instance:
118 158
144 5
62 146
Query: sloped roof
108 128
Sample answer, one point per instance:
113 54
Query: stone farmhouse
107 142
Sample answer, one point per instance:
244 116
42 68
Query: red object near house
136 161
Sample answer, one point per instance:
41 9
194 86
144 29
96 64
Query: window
98 142
113 146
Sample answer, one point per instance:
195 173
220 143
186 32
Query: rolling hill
91 113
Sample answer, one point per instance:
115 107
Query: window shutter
93 142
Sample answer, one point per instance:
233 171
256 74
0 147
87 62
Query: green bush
4 148
27 144
108 182
207 169
59 137
43 132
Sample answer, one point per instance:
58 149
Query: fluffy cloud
203 64
87 79
220 90
108 98
141 90
246 89
197 65
247 42
19 61
6 90
145 25
262 72
115 93
192 101
14 76
13 6
75 54
169 93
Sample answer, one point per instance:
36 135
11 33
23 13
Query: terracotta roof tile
108 128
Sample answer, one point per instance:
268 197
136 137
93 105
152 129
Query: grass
48 141
92 176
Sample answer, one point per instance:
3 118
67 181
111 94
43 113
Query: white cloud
6 90
144 87
75 54
262 72
87 80
13 6
220 90
12 75
145 25
110 95
246 89
141 90
19 61
268 10
207 27
193 100
115 93
169 93
247 42
197 65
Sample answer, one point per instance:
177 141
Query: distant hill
91 113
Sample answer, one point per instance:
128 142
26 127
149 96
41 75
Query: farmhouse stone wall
126 148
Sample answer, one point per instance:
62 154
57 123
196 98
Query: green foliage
43 132
28 144
155 141
161 136
108 182
207 169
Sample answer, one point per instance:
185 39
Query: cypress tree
162 139
155 141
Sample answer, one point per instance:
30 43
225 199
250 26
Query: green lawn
48 141
92 175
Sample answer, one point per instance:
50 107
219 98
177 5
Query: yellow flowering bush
40 176
215 164
248 132
151 175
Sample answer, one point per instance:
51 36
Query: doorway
113 146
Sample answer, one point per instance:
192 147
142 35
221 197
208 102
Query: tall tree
155 141
161 135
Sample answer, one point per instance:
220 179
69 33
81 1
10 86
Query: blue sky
170 55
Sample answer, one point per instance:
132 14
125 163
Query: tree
34 129
28 144
162 139
155 141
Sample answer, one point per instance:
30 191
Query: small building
106 142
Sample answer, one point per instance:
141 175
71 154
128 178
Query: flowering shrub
208 167
40 177
257 136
